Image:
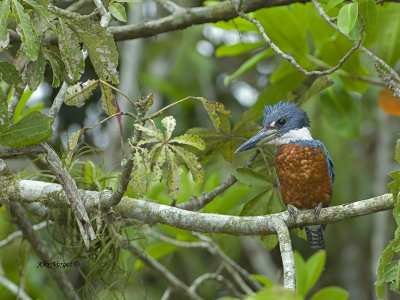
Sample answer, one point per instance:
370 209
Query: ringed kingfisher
303 166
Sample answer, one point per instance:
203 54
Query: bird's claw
317 210
292 210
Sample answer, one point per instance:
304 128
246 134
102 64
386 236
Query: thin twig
58 101
207 276
292 60
173 282
78 4
8 240
362 48
171 6
13 288
71 190
105 15
285 246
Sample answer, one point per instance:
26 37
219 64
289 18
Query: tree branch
11 152
52 195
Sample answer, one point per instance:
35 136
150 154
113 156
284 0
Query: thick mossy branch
52 195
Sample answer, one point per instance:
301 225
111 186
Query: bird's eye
281 121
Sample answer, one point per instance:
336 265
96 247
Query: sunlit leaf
79 93
314 266
333 3
25 30
331 292
237 49
213 108
191 140
151 131
249 64
118 11
169 124
347 17
32 129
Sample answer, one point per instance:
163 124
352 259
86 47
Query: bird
303 166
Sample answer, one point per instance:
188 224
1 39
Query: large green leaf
4 35
25 30
389 31
347 17
250 177
341 111
257 206
101 47
289 35
236 49
249 64
70 50
331 292
32 129
369 12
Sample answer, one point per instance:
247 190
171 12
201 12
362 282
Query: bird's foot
317 210
292 210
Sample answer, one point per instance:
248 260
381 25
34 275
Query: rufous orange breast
303 176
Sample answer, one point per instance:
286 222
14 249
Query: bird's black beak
261 137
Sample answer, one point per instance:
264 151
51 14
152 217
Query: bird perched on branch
303 166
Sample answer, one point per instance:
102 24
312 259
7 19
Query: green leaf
79 93
70 50
301 275
157 251
274 293
158 161
34 72
10 74
213 108
257 206
169 124
341 111
73 141
347 17
191 140
238 23
249 64
369 12
314 266
4 121
331 292
130 1
384 261
191 161
56 67
138 180
18 113
333 3
174 175
270 241
153 132
101 47
43 12
247 117
25 30
265 281
118 11
236 49
32 129
388 31
250 177
4 12
108 100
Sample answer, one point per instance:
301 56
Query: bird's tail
315 237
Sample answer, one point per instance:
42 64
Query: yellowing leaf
169 124
72 143
108 100
158 162
191 140
80 92
154 132
191 161
174 175
213 108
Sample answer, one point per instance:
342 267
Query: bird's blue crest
296 118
